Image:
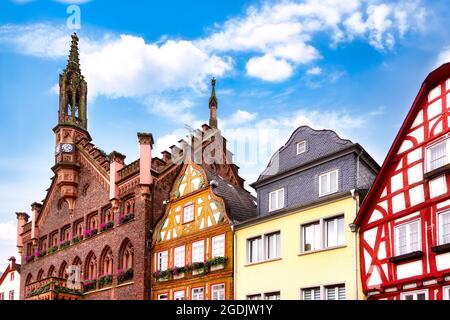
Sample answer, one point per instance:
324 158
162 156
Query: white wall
9 285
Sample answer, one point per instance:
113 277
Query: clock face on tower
67 147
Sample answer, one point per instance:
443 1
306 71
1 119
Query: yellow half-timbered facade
193 243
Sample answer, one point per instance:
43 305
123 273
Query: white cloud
8 231
443 57
280 32
124 66
269 68
314 71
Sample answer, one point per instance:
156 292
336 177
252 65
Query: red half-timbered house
405 220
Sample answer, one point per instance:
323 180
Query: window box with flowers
125 275
178 272
106 226
52 249
217 263
89 285
125 218
162 275
29 259
105 281
40 254
89 233
77 239
199 268
64 244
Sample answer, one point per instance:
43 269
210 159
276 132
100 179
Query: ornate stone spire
73 91
213 105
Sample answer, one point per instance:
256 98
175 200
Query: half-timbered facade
405 221
193 242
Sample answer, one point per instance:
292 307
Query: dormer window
301 147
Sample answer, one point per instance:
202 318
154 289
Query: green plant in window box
217 261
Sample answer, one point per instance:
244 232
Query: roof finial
74 61
213 105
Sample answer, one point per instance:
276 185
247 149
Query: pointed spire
74 61
73 91
213 105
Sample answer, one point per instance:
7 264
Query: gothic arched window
40 275
106 262
126 259
90 267
51 272
62 273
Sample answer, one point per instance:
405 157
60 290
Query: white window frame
250 297
178 261
313 296
335 287
322 223
414 293
325 231
301 147
428 150
446 293
191 216
160 256
218 246
176 295
260 246
215 291
441 226
163 294
408 244
273 293
329 190
193 295
277 199
196 245
263 247
278 245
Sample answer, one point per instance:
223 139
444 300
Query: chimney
35 209
22 218
145 161
116 162
12 263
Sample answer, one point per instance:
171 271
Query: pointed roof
73 63
213 98
433 79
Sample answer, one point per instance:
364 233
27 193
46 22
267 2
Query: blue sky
354 67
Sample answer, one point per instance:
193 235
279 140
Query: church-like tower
72 125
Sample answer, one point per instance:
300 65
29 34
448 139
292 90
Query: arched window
126 259
129 206
62 273
40 275
108 216
90 268
106 262
51 272
29 279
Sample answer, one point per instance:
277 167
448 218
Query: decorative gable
188 195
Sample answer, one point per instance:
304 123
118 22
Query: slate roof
240 204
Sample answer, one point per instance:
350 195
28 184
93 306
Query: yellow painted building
295 270
303 244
